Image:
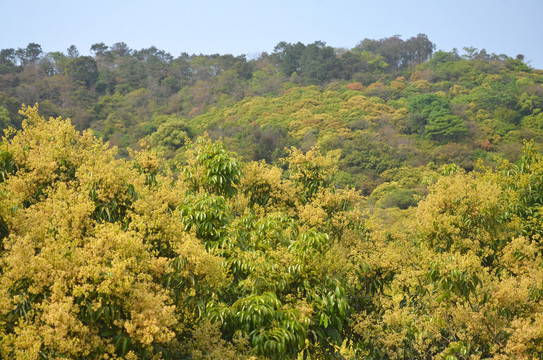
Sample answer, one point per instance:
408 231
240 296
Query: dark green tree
419 49
132 73
288 56
99 49
8 61
392 49
83 70
400 54
445 128
156 62
120 49
30 54
72 52
319 63
424 108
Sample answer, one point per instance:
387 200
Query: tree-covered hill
379 202
104 257
385 104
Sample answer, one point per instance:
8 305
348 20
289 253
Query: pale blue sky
250 27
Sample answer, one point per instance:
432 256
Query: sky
251 27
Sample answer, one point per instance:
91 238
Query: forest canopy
384 103
104 257
379 202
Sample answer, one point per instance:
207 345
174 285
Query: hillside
104 258
385 104
382 202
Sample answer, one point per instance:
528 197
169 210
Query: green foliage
108 254
365 152
30 54
525 178
83 69
209 214
430 114
358 64
8 61
212 168
400 198
319 63
274 332
445 128
424 108
171 135
399 53
120 92
497 92
5 120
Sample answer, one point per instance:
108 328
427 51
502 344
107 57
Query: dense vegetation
385 104
382 202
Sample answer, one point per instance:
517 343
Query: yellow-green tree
95 263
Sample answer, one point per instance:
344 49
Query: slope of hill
396 215
109 258
385 103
